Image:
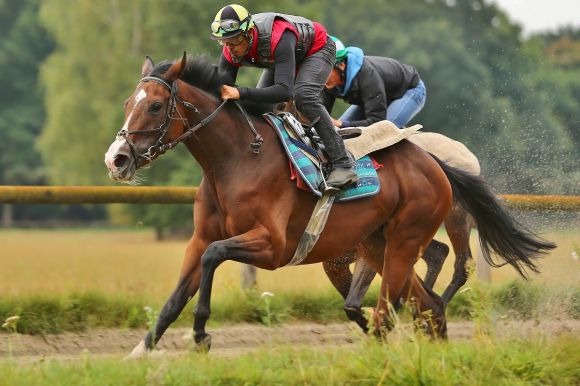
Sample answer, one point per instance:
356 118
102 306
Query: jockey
297 56
377 88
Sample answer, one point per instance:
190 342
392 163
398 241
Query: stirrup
327 188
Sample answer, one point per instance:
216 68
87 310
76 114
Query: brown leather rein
159 147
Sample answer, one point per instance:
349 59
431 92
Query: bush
75 312
460 306
518 298
84 310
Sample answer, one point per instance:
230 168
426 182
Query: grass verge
413 361
84 310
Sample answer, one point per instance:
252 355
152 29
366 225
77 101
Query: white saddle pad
451 152
384 133
378 136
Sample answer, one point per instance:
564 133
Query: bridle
159 147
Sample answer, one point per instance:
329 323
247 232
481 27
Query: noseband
159 147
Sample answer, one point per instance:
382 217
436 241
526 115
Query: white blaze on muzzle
120 141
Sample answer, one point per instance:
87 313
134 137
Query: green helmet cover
341 52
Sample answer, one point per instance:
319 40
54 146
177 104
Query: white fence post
249 273
7 216
482 268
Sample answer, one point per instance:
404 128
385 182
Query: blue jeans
400 111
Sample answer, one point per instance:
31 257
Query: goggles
231 42
228 25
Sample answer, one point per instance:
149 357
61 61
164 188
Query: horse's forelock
160 69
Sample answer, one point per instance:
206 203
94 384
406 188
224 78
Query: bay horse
247 209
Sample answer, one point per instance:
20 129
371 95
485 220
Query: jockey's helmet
341 52
231 21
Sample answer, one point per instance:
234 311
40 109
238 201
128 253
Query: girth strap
304 147
314 228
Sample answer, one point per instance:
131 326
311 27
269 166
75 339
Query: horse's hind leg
458 226
339 274
352 287
399 258
373 249
408 234
362 279
429 308
434 256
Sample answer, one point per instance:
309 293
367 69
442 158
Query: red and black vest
263 23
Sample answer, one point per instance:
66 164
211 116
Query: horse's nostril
121 161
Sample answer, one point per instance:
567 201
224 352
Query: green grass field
416 361
71 280
132 262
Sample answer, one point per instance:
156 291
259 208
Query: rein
159 147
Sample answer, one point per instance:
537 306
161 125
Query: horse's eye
155 107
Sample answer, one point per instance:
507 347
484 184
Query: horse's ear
147 66
176 69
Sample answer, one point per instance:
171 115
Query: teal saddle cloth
367 185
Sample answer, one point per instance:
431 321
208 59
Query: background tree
485 86
513 101
24 45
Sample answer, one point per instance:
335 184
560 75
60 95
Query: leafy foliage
23 47
42 314
513 101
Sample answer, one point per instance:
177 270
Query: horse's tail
498 230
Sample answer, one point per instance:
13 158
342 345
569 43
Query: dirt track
239 339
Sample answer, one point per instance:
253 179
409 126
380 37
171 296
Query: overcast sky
541 15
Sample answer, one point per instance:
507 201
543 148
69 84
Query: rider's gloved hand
228 92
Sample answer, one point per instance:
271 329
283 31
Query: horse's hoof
442 331
369 312
380 334
202 343
139 351
356 315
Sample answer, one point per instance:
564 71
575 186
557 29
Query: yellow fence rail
186 195
96 194
542 202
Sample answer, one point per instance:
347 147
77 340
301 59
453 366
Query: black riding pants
310 80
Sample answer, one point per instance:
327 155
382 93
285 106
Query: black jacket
380 81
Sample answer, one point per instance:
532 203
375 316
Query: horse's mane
201 72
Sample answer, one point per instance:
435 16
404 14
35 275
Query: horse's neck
223 145
214 145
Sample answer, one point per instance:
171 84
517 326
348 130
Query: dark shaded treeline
66 68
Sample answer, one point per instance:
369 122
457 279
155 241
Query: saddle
302 130
307 163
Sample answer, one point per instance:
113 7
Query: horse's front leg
186 288
338 272
253 247
362 278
